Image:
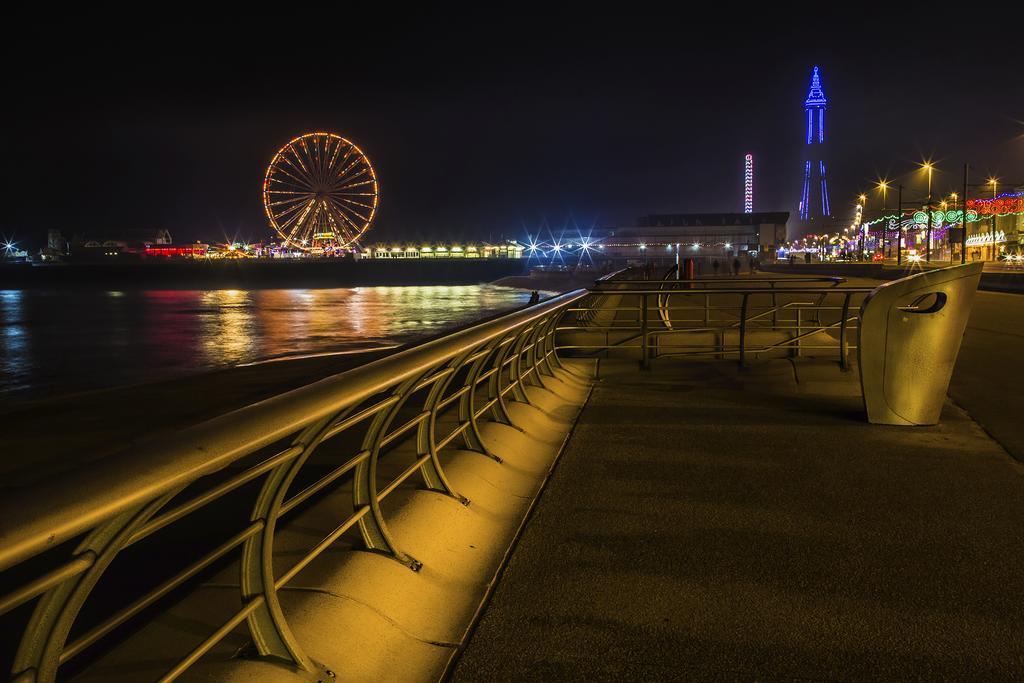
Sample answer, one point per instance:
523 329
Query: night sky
481 126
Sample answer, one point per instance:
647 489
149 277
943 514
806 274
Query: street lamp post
928 237
994 182
860 228
963 221
899 225
956 205
884 187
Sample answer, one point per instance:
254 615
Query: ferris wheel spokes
320 192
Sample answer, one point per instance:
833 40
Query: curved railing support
468 401
550 353
533 355
497 383
546 351
426 434
39 653
267 624
121 499
515 369
365 493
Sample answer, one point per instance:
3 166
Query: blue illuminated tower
811 206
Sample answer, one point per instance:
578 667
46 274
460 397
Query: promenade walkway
706 522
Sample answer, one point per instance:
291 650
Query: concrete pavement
998 277
986 381
709 523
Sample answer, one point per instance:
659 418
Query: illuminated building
467 250
814 203
56 246
995 227
702 235
106 244
999 228
177 250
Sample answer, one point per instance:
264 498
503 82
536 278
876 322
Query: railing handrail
746 280
608 277
742 290
748 290
40 517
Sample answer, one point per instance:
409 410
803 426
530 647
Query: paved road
704 525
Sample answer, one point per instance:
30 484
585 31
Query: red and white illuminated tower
748 184
814 198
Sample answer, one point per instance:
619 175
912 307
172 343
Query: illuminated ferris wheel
320 192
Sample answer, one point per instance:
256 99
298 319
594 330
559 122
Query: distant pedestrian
534 298
714 267
736 266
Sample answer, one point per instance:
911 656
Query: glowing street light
883 186
928 166
994 182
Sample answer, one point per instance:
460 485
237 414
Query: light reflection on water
54 342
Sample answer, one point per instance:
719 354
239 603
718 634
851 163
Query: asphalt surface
706 524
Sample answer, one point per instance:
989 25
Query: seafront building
159 246
999 227
468 250
698 235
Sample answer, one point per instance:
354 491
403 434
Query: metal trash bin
910 333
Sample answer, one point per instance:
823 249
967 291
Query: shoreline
261 274
95 423
59 433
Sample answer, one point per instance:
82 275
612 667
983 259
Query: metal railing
720 282
70 531
649 315
459 379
